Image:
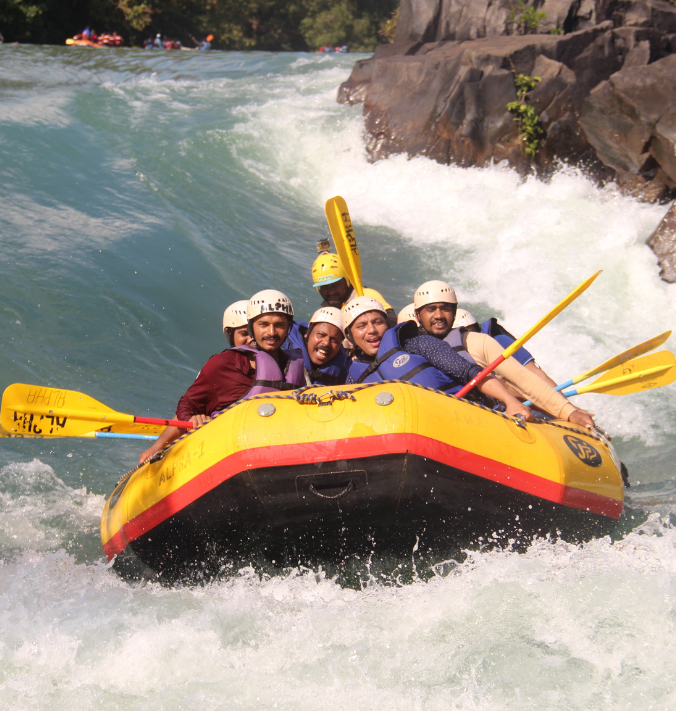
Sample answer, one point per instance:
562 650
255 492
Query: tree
273 25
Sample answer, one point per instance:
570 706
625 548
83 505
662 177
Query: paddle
52 412
623 357
630 353
70 40
340 224
109 435
528 335
651 371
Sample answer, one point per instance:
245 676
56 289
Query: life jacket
394 363
295 338
505 339
457 340
269 376
333 373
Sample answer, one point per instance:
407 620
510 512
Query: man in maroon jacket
228 376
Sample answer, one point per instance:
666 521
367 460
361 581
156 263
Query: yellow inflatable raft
387 462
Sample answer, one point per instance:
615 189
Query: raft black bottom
397 506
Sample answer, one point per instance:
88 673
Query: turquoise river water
140 193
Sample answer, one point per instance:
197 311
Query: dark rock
629 121
663 243
448 101
639 13
474 19
418 21
353 91
605 99
463 20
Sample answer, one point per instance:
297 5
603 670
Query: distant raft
325 469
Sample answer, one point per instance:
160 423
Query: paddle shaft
528 335
105 418
106 435
121 435
184 425
477 379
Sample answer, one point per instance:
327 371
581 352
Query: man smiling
244 370
324 357
235 326
400 353
436 304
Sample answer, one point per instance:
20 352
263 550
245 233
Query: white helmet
433 292
328 314
268 301
235 315
358 306
408 314
463 318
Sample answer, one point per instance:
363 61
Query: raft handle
346 490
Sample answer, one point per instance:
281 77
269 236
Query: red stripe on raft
378 445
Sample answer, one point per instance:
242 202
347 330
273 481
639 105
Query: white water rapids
143 192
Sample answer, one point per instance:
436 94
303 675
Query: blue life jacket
333 373
394 363
505 339
295 338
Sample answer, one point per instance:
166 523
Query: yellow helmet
327 269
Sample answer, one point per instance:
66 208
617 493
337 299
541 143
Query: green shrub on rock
531 129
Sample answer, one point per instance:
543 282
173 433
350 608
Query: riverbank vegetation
273 25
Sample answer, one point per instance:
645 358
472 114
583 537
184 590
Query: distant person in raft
235 324
330 280
242 371
435 305
205 44
401 353
324 357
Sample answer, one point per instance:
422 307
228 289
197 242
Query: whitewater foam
177 184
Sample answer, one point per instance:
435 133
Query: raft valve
384 398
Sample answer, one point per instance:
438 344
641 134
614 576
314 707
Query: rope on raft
327 398
302 397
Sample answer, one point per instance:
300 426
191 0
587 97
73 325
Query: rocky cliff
606 99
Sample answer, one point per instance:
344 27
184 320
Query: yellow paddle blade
5 433
70 40
52 412
651 371
546 319
134 428
634 352
340 224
